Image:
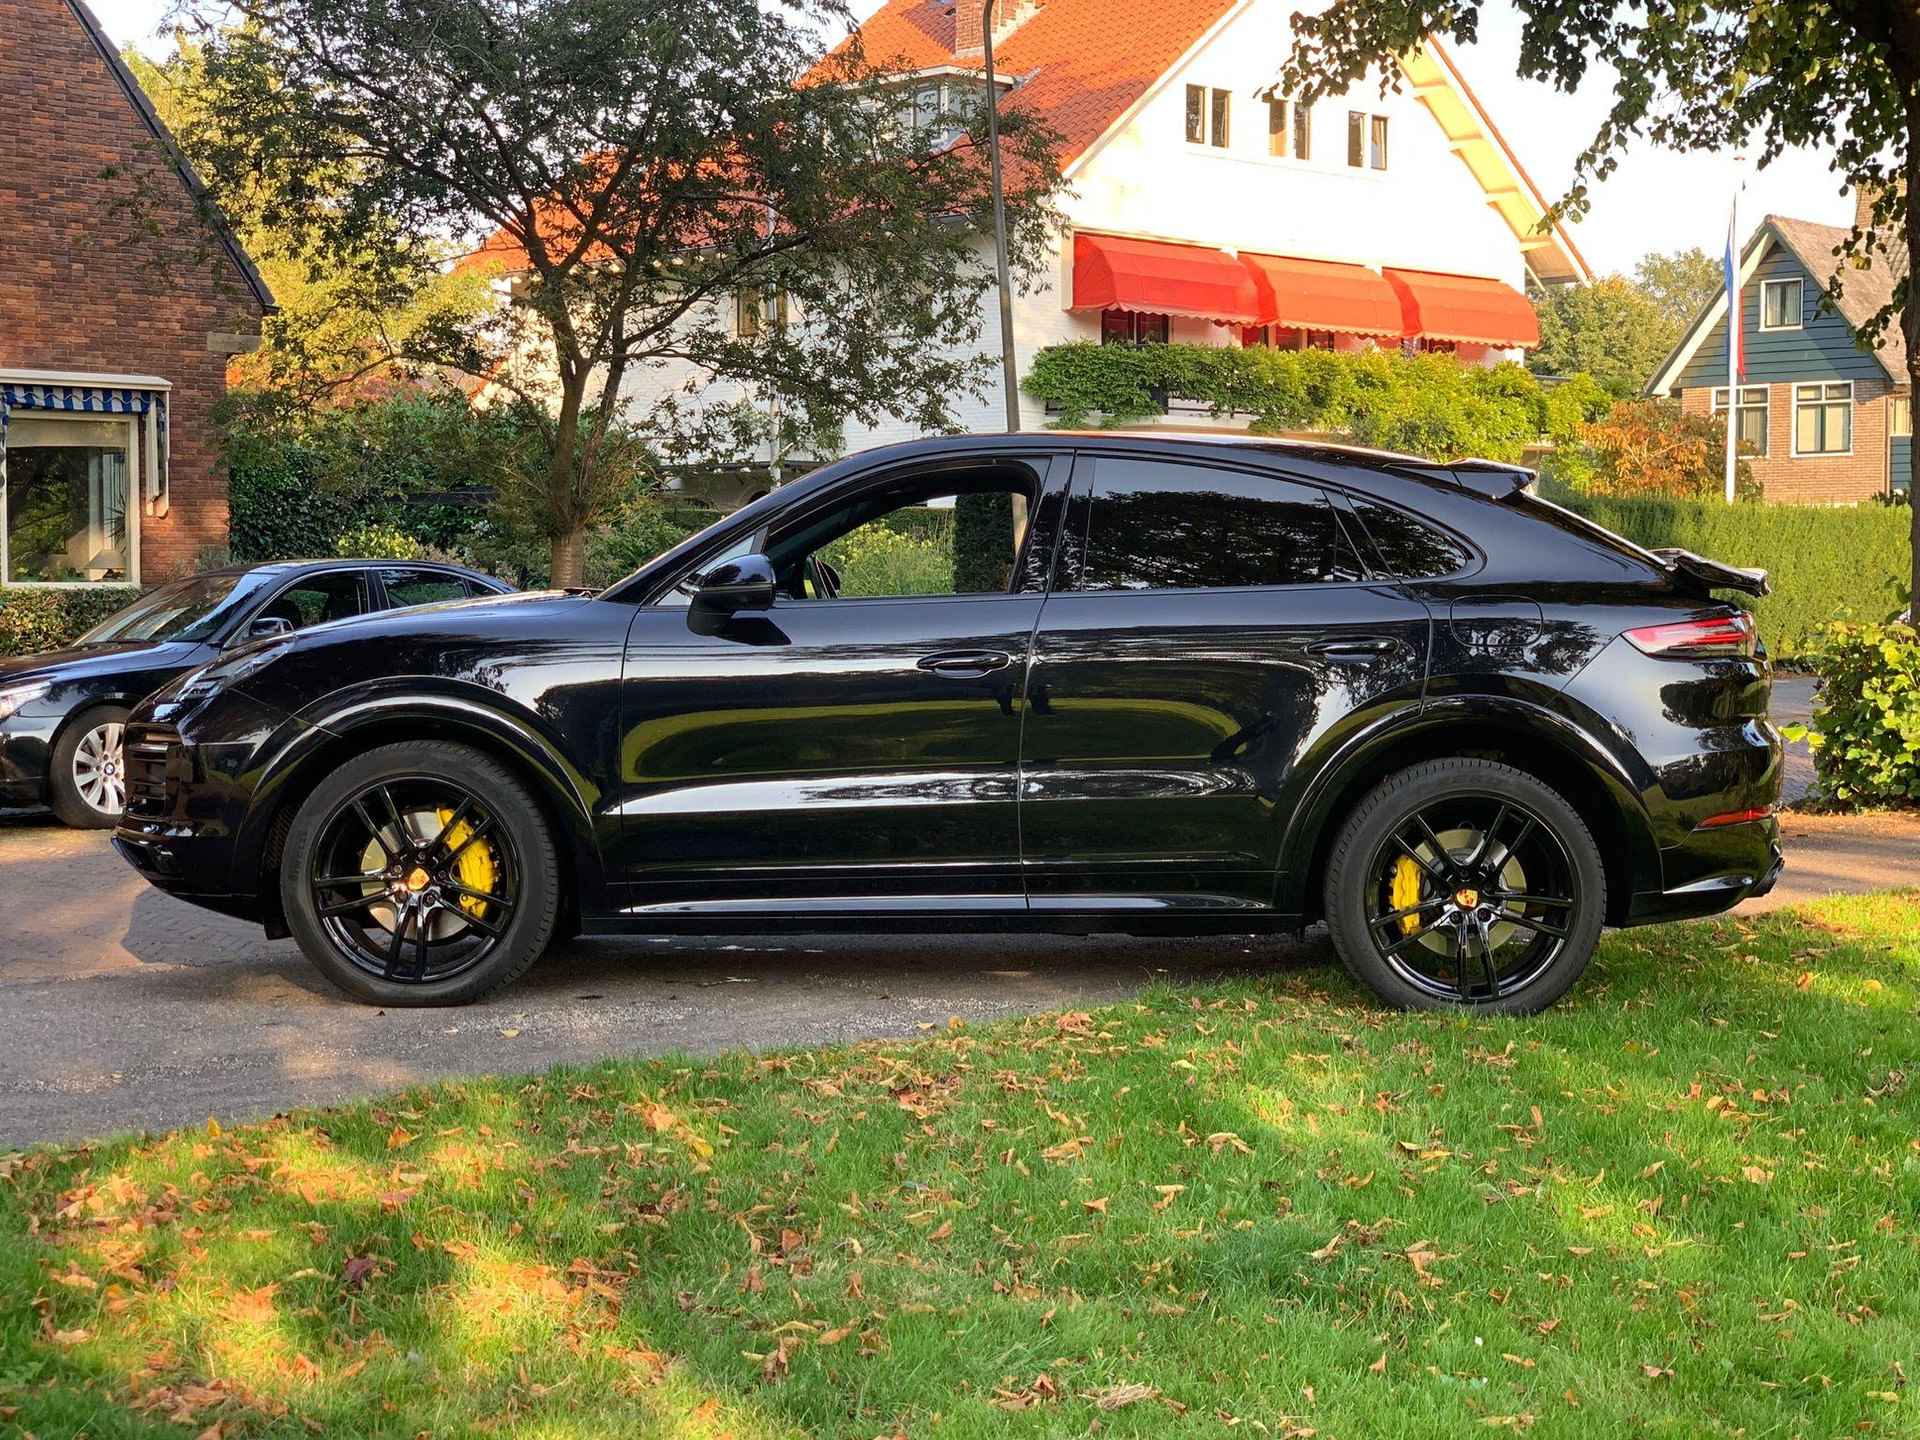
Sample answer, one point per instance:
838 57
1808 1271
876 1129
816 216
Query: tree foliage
345 320
1648 448
634 166
1610 329
1679 283
1711 75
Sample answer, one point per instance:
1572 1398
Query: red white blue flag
1736 350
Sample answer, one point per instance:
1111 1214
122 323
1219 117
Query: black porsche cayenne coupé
1031 682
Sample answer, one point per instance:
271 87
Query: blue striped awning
87 399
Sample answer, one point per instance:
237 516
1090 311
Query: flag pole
1735 324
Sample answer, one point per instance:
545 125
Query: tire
1396 901
87 773
437 943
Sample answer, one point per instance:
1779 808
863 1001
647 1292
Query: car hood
81 662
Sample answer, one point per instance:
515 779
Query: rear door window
1155 525
1410 549
422 587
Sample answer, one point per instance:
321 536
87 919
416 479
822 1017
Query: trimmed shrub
1866 724
879 559
32 620
643 529
1826 563
1428 405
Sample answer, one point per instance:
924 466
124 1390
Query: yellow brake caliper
1405 891
475 865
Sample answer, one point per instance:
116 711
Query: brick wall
112 274
1821 479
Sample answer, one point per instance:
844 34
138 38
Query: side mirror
265 627
737 585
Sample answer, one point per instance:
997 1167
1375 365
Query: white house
1204 207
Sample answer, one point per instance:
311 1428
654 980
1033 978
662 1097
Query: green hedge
32 620
1826 563
1866 724
1423 404
420 466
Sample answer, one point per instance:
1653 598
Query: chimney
968 20
1863 198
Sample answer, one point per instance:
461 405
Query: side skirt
951 914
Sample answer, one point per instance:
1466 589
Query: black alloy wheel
1469 884
420 875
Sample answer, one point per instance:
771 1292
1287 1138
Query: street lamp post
1008 380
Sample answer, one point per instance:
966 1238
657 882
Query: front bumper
26 747
1712 871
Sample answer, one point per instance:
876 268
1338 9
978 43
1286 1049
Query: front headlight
11 700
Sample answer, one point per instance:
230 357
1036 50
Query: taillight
1716 636
1735 817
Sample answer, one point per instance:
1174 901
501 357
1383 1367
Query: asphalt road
122 1009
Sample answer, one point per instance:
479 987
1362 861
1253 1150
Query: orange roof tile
1082 62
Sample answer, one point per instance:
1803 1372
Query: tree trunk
567 559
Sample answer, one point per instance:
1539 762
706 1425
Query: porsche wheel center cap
1467 899
417 879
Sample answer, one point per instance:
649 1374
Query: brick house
122 296
1822 419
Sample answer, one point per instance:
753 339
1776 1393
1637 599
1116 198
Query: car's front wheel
1465 883
421 873
87 782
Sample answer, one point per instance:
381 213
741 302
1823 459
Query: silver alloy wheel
99 769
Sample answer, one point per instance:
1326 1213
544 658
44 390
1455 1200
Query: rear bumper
1715 870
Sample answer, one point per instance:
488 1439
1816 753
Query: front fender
1475 722
360 717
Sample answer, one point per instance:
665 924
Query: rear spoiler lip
1495 479
1712 574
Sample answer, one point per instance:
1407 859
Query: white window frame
1823 400
1799 310
1748 402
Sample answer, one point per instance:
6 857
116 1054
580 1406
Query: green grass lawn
1685 1203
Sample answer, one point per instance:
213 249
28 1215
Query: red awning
1326 295
1111 272
1464 309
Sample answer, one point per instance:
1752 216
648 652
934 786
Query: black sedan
1030 682
62 714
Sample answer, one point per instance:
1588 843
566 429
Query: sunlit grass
1685 1203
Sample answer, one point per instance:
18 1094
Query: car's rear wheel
421 874
1465 883
87 780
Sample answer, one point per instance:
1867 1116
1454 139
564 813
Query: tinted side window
337 595
1409 549
421 587
1157 526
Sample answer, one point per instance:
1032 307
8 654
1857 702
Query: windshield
190 609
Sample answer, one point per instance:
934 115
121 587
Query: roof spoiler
1712 575
1494 479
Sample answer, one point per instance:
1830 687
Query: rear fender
1527 734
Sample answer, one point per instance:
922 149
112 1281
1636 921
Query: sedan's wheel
420 874
88 783
1465 883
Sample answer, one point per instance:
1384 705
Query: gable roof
143 107
1863 292
1083 64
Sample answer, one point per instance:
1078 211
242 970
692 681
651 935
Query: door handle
966 662
1356 650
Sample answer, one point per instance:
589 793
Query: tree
340 324
637 167
1713 75
1612 329
1680 283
